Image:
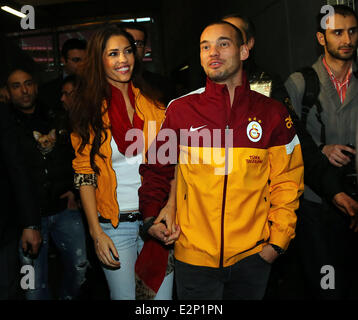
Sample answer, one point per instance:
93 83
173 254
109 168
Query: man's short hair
340 9
239 37
27 69
134 26
72 78
249 27
71 44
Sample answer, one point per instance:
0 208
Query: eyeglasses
139 43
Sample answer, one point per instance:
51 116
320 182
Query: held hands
105 248
167 232
348 206
335 155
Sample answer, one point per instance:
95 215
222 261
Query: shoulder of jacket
183 99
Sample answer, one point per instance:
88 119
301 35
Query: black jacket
18 206
50 168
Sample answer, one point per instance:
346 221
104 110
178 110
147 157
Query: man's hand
160 232
268 253
31 241
348 206
167 214
335 156
71 200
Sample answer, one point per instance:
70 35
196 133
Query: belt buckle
132 217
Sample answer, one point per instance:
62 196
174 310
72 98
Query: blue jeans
121 282
67 232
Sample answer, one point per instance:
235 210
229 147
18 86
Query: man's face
340 42
220 54
67 95
22 90
73 61
139 41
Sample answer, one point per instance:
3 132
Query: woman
113 101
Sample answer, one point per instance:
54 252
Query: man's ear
244 52
251 43
321 38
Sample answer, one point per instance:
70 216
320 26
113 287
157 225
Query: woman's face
118 60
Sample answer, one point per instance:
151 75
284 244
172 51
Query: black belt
124 217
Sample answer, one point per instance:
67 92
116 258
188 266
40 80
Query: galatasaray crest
254 130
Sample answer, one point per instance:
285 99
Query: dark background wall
285 38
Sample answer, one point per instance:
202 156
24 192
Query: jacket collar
329 87
215 89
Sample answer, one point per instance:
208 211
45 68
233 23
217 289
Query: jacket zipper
224 201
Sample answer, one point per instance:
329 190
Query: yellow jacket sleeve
286 186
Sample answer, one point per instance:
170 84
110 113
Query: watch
278 249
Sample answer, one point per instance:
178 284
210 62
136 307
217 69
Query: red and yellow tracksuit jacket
240 174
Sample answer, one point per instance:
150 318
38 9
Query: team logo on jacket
254 130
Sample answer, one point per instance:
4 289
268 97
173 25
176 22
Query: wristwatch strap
278 249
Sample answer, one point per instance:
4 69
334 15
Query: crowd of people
208 196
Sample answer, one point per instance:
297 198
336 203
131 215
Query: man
49 161
319 175
139 34
68 91
236 215
321 226
67 98
159 82
19 212
72 54
260 80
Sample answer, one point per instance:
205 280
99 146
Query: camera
349 175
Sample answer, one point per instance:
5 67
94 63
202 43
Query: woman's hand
105 249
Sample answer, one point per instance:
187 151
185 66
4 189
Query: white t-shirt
128 178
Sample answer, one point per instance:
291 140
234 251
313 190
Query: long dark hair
93 88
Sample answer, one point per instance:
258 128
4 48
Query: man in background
158 81
331 121
72 54
20 215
